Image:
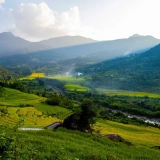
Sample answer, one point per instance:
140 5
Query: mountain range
17 51
12 45
129 64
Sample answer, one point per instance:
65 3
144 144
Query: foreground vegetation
65 144
39 102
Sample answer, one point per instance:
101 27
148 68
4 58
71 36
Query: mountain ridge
11 44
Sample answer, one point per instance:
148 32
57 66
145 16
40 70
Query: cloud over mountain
38 21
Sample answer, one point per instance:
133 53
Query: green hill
139 72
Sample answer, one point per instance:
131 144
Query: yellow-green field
69 144
127 93
33 76
39 115
27 117
140 135
76 87
34 112
70 79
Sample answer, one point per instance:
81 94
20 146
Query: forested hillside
6 74
137 72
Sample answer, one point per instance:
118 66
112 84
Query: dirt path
30 129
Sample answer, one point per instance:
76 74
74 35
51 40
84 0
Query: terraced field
29 109
138 135
127 93
26 117
68 144
33 76
68 79
76 87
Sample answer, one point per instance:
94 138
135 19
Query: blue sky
98 19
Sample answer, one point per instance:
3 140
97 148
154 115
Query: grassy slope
68 79
58 77
138 135
35 114
127 93
73 87
72 144
64 145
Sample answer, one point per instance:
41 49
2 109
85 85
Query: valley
93 89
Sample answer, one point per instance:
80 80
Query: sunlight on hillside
133 133
26 117
33 76
127 93
76 87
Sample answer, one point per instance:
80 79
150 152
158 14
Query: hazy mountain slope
111 49
92 52
65 41
137 72
32 59
12 45
100 51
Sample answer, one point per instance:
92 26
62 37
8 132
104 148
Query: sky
36 20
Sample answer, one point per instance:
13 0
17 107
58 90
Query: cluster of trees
140 106
6 75
58 99
40 86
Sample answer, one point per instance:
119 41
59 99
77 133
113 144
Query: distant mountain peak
6 34
135 36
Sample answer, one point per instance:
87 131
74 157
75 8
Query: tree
66 103
87 115
2 91
55 99
84 118
41 83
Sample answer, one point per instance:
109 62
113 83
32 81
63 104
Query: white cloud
38 21
1 2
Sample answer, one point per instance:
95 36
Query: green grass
138 135
127 93
65 144
76 87
34 113
15 98
69 79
